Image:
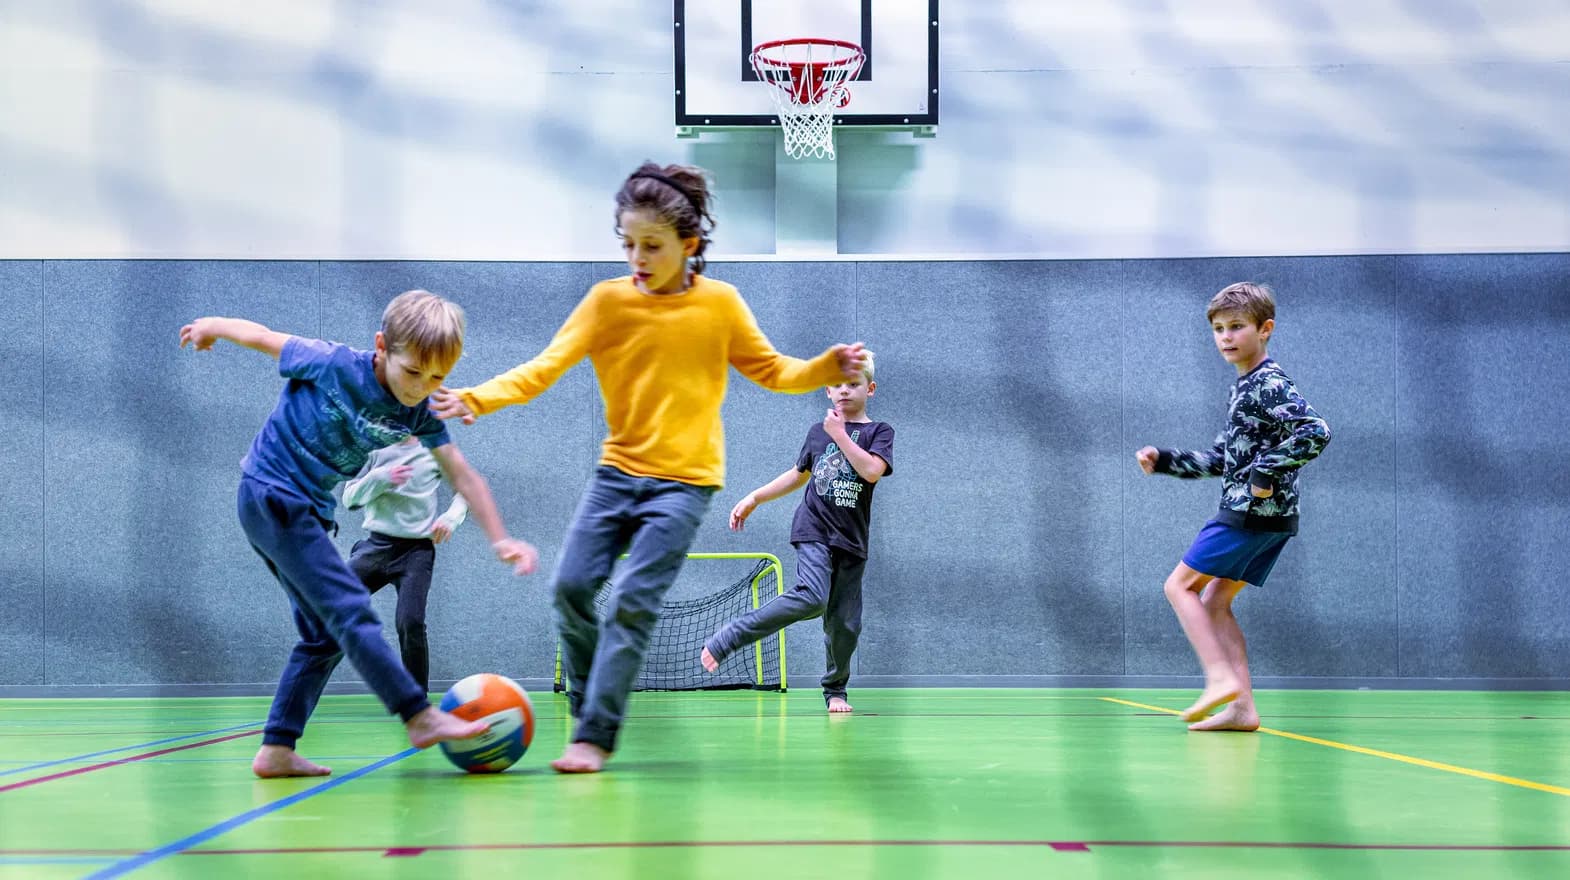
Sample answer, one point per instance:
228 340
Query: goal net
671 663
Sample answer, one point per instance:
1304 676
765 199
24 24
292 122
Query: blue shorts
1235 554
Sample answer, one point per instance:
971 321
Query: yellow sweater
662 362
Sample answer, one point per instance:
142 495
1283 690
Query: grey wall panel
997 547
22 459
150 579
1481 422
1016 536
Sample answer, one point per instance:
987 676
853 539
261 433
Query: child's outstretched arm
754 356
526 381
784 484
468 483
203 332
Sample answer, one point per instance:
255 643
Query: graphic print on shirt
346 436
834 478
1270 429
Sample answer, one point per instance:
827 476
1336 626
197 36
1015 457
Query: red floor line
142 757
1056 845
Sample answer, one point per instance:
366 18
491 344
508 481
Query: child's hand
444 404
440 532
399 474
1147 459
834 424
521 554
201 333
852 358
742 510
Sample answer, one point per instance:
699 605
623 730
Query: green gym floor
919 783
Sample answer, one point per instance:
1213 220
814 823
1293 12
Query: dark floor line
134 758
157 742
184 844
1056 845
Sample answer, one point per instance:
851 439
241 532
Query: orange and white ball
500 701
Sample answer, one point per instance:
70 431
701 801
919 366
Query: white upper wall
473 130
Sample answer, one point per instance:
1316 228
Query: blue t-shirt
330 417
836 508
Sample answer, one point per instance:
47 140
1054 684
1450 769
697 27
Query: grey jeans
654 522
828 585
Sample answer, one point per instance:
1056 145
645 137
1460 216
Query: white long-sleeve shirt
406 511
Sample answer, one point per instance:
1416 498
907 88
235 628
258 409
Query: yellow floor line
1393 756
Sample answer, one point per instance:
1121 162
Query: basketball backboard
717 87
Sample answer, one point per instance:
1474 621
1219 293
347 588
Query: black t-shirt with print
837 505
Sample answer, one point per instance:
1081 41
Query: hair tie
673 185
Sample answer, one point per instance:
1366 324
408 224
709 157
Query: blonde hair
867 370
425 326
1257 302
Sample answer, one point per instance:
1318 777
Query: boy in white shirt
397 488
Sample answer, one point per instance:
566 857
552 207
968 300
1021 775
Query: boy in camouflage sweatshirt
1271 433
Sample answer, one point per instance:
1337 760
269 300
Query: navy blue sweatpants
332 611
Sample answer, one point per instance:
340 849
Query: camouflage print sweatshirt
1271 432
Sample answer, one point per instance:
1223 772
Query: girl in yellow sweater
661 340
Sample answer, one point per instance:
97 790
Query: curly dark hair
676 194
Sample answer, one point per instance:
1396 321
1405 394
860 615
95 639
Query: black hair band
671 182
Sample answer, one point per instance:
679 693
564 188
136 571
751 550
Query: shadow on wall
1472 121
341 79
1483 370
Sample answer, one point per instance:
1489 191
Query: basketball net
807 81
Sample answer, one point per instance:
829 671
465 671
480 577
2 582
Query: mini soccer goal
671 663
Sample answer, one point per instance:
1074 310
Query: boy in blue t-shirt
843 458
340 405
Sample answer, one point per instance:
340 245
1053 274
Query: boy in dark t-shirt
842 459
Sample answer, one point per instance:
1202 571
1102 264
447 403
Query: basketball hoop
807 80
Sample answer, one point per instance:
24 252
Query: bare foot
282 762
581 757
708 660
1232 717
1213 696
433 725
838 704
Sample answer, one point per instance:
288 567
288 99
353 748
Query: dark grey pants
828 585
405 563
654 522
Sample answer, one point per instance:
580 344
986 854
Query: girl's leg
668 514
599 533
